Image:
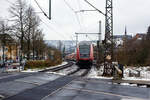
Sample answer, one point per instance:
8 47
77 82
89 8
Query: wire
10 2
74 12
57 32
57 24
41 9
46 16
69 5
53 29
95 7
79 4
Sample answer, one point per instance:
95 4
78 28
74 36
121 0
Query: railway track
68 69
58 68
80 72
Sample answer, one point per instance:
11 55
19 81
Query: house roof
123 36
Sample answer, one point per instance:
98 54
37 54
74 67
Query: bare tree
17 11
40 44
32 21
60 44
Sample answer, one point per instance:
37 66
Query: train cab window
84 49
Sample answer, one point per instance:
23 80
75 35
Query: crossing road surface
44 86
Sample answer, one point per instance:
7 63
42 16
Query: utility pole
98 46
50 9
76 39
125 45
3 42
108 42
100 31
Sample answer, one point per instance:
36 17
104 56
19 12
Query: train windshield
84 49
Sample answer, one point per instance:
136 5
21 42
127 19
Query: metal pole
100 31
3 42
50 9
98 46
108 55
76 40
3 54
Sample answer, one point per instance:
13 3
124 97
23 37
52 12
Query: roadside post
117 71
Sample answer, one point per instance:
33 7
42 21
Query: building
8 48
119 39
140 36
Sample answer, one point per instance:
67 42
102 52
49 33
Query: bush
41 64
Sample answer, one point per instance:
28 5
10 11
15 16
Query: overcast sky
64 23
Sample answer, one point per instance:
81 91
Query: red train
84 55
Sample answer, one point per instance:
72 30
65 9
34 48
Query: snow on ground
68 70
130 73
36 70
65 71
57 73
10 69
94 73
137 73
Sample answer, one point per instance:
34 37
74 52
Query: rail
58 68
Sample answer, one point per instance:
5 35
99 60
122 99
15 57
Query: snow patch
94 73
137 73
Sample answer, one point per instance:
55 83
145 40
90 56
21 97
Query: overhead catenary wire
48 26
57 24
51 23
10 2
43 12
56 31
79 5
74 12
41 9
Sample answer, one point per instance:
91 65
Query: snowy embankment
130 73
37 70
137 73
94 73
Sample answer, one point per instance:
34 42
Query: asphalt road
44 86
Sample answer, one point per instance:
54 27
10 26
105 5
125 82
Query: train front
85 55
